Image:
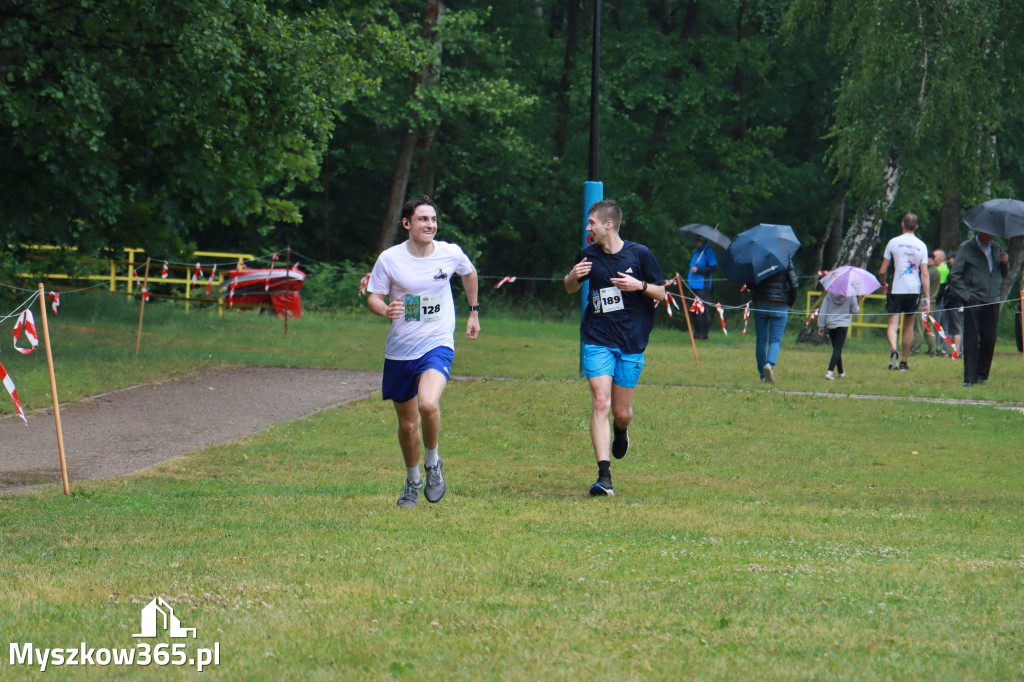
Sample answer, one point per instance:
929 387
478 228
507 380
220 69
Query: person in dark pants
702 264
836 315
977 278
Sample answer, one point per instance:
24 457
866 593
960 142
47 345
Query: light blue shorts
624 368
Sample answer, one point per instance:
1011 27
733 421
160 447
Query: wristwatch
644 287
474 308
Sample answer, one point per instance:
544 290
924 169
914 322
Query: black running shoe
620 444
603 487
904 367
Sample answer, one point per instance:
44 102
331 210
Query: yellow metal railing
134 259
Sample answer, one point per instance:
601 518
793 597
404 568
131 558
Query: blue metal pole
593 192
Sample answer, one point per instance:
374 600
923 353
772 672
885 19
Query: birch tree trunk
862 236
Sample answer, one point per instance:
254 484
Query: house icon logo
158 613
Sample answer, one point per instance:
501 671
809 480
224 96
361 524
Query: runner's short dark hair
607 210
410 206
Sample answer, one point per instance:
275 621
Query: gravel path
135 428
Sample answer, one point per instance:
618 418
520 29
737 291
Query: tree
140 122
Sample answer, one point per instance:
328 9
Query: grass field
768 534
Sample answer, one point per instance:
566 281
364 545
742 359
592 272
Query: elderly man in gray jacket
977 277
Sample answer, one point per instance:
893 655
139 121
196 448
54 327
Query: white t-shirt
909 256
425 285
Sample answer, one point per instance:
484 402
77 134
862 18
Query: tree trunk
949 221
833 241
863 234
403 164
396 197
572 46
862 237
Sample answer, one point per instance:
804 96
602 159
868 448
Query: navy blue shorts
401 381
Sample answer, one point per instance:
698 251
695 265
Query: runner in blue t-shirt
625 281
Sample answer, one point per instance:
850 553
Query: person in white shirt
416 278
909 257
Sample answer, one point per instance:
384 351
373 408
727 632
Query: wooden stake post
686 314
53 391
142 306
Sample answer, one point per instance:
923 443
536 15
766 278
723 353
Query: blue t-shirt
614 318
702 258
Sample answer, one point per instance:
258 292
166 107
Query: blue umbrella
759 253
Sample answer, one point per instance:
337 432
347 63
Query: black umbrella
1000 217
759 253
711 235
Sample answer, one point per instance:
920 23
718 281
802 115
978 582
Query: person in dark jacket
977 278
702 264
772 298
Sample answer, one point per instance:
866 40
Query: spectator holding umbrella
977 278
702 264
762 257
842 287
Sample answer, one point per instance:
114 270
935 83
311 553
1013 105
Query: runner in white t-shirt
910 281
416 276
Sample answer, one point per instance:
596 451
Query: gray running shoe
411 494
894 360
769 373
436 487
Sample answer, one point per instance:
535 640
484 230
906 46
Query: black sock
616 431
604 468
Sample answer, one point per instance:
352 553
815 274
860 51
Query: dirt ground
135 428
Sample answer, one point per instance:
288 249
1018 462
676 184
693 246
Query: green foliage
133 122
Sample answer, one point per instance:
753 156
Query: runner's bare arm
881 273
572 281
471 284
378 306
629 283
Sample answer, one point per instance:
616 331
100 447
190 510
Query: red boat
277 287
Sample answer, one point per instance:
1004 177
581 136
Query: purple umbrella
849 280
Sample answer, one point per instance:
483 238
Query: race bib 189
611 299
423 308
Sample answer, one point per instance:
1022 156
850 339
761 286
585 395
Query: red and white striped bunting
144 290
942 334
9 385
746 316
54 301
209 282
27 323
721 314
166 271
504 280
363 283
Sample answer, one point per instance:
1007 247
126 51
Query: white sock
431 457
413 474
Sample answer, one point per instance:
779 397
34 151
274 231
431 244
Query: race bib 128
425 308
